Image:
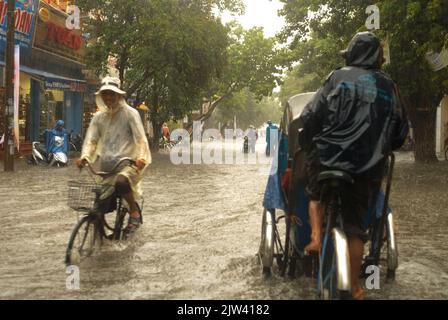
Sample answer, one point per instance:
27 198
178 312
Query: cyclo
104 213
285 227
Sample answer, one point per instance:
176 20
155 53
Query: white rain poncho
115 134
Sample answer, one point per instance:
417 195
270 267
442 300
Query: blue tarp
274 198
49 139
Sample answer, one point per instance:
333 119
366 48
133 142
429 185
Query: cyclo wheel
266 251
82 241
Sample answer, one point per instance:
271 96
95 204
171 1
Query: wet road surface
200 237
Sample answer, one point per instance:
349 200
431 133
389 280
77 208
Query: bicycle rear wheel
392 250
334 272
82 241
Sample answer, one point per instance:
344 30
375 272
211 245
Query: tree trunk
155 142
204 117
423 122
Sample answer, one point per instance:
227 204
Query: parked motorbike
75 141
55 150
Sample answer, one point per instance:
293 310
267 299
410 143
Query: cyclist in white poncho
114 133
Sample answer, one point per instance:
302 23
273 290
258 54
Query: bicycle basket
81 195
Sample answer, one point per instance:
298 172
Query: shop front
52 84
25 20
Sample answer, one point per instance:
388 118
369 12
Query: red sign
63 36
53 36
23 19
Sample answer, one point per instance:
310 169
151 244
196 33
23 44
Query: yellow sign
53 36
44 14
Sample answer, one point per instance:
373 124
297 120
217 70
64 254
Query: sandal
133 225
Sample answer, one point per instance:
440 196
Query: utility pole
9 96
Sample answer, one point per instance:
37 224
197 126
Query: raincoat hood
104 108
357 118
364 51
59 123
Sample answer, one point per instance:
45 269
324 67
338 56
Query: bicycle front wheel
82 241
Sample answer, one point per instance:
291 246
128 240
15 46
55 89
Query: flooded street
200 237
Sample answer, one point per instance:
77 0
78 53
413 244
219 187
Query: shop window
59 110
24 123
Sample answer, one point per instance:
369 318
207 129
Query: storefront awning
54 81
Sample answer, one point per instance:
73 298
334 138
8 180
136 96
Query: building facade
52 83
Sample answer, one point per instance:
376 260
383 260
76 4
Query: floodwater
200 236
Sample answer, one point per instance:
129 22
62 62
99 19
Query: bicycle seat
327 176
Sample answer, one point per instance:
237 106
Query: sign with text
25 16
16 95
53 36
59 4
65 85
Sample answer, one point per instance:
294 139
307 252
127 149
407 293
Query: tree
254 63
248 110
412 28
168 51
294 83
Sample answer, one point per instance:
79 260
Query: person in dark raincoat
354 121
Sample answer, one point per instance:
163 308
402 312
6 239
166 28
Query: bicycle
95 201
334 266
164 143
334 263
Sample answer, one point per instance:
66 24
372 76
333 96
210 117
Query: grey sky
262 13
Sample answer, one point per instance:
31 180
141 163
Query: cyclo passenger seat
333 181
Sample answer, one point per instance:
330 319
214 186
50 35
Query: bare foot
313 246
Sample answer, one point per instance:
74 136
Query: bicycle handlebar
103 173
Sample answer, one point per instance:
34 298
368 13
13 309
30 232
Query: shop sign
25 16
53 36
64 85
60 4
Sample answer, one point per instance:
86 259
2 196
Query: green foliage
168 51
414 28
319 29
295 83
248 110
173 53
254 62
